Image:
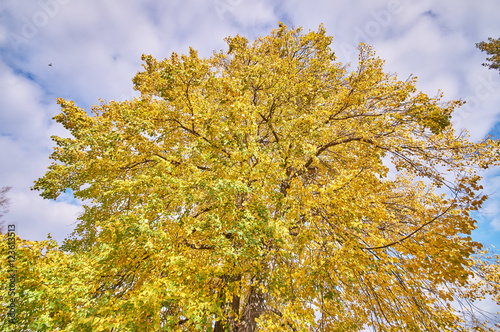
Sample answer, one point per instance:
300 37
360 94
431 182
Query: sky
90 50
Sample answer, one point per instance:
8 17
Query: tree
265 188
4 206
492 47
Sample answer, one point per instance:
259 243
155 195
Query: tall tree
492 47
265 188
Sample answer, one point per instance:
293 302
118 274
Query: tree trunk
255 307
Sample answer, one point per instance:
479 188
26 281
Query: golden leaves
253 186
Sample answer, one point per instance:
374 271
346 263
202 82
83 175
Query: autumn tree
265 188
492 47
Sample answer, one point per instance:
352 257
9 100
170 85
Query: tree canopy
491 47
265 188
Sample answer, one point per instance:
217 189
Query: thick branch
198 247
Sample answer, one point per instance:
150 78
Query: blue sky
95 49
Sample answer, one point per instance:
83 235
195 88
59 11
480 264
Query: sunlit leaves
251 191
492 48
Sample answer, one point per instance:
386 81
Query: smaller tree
491 48
4 206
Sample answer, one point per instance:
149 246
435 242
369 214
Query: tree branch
412 233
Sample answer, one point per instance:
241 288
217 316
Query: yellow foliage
250 191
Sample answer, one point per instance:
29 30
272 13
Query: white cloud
19 100
35 217
249 13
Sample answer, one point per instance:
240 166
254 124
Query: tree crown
251 190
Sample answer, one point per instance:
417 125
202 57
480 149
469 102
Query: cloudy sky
94 48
